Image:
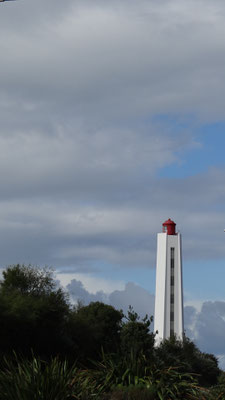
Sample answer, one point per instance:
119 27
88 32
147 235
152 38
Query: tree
136 335
188 358
33 312
95 327
27 280
137 342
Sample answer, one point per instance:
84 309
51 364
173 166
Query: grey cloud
190 317
143 63
207 327
140 299
100 163
78 226
210 327
79 293
79 150
76 269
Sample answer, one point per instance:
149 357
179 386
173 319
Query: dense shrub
33 312
37 380
186 356
94 327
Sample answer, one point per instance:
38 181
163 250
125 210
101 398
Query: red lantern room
169 227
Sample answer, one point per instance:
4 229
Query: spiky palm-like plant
36 380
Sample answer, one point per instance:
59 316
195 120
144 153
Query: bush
36 380
132 393
185 355
33 312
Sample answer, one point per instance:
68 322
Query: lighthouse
168 320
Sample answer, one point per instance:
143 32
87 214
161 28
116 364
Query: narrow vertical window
172 251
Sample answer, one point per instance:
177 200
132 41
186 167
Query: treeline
36 315
95 351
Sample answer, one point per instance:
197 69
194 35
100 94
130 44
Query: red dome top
169 227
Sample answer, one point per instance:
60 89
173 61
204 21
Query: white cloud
140 299
91 284
206 327
221 359
101 290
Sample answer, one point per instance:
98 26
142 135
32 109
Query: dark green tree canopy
136 336
33 311
96 326
186 355
27 280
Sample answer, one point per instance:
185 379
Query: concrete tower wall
169 287
160 296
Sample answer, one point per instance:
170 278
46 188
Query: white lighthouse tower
169 286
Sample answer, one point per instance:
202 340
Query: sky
112 121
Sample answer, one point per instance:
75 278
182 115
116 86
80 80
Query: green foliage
36 380
137 342
35 315
27 280
108 380
217 392
94 327
33 312
170 383
131 392
22 379
173 353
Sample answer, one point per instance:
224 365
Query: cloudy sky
112 120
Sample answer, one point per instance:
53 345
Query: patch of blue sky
199 159
142 276
204 279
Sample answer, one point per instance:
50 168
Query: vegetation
33 312
37 380
51 350
172 353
